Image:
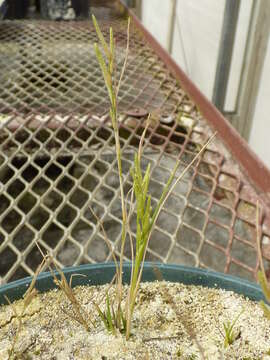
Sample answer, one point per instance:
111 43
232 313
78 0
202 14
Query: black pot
17 9
81 7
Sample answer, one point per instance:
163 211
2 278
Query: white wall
196 39
195 48
260 131
155 15
196 35
238 53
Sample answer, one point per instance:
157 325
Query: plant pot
158 318
99 274
81 8
17 9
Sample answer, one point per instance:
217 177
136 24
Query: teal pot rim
102 273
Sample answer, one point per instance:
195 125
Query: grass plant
109 319
230 334
146 216
108 68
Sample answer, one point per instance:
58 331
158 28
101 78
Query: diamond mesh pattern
57 157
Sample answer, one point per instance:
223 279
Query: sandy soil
171 321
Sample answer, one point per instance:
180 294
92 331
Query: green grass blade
101 38
145 183
109 315
105 72
102 317
163 196
146 218
236 319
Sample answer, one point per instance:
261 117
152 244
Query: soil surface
171 321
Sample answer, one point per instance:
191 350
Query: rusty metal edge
255 170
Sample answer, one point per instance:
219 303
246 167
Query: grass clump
115 318
230 334
109 319
108 68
